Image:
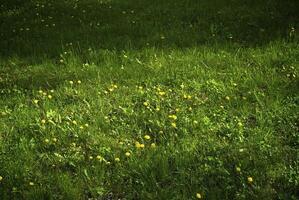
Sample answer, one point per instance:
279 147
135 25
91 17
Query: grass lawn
137 99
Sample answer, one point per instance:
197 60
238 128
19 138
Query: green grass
149 99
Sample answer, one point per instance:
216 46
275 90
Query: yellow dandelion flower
147 137
81 127
117 159
35 101
173 124
54 139
52 91
1 178
100 158
142 145
198 196
90 157
137 144
161 93
74 122
50 96
47 141
40 92
227 98
71 82
153 145
43 121
146 103
174 117
157 109
238 169
240 124
79 82
44 93
127 154
31 183
250 179
86 125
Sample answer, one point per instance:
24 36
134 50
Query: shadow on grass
34 29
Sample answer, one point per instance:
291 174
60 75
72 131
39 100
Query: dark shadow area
36 28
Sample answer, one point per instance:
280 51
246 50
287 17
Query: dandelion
40 92
142 145
137 144
1 178
79 82
74 122
47 141
173 124
90 157
35 101
81 127
250 179
50 96
240 124
128 154
147 137
153 145
227 98
54 139
71 82
238 169
161 93
174 117
185 96
117 159
52 91
31 183
146 103
43 121
100 158
198 196
86 125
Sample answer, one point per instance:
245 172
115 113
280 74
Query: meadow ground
137 99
